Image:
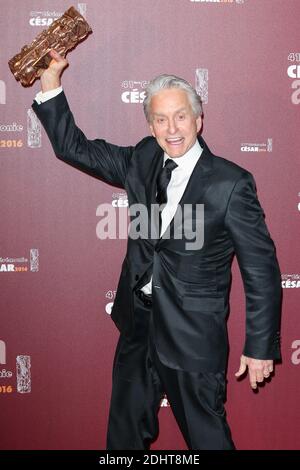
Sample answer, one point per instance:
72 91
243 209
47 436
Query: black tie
162 184
163 181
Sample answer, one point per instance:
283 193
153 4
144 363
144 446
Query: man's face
173 122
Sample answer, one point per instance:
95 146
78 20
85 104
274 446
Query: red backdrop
58 278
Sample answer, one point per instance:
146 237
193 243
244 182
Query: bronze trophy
62 35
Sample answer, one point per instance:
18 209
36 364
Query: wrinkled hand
259 369
50 78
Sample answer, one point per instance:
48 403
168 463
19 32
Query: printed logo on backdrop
11 129
255 147
201 84
133 92
34 130
2 92
295 357
114 219
290 281
293 72
22 382
299 203
21 265
2 352
119 200
46 17
43 17
110 295
223 2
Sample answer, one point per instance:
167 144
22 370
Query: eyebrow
176 112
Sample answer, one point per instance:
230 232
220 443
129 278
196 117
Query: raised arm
98 157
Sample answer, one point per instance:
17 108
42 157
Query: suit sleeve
259 268
97 157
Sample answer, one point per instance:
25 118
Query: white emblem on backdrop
21 264
43 18
108 308
119 200
295 358
133 91
110 294
46 17
290 281
255 147
34 260
201 84
293 71
23 366
34 130
2 92
2 352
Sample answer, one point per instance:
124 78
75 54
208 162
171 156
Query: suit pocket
203 304
194 274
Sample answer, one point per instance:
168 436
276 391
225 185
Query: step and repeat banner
58 276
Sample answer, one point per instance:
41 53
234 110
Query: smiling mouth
175 140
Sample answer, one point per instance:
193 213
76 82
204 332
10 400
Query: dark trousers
140 380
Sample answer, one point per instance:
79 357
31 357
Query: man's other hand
50 78
259 369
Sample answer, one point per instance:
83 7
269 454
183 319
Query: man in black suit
171 304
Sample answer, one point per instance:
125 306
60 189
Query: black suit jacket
190 287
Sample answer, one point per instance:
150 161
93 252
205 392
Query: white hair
171 81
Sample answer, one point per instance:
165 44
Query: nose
172 128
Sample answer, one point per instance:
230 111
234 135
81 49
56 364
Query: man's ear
199 123
152 130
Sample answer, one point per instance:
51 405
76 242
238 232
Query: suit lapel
152 177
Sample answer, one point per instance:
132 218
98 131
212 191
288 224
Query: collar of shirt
188 161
